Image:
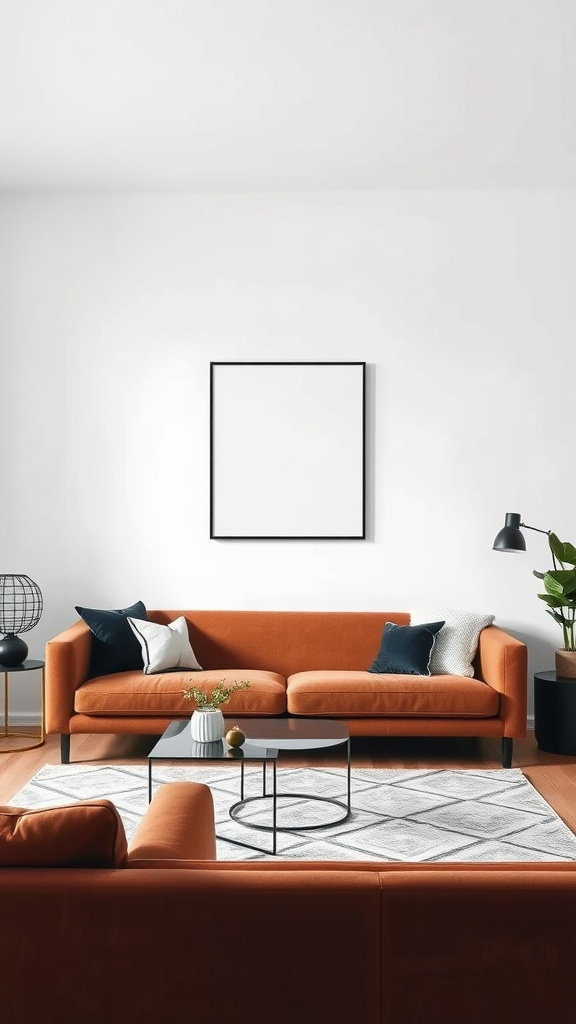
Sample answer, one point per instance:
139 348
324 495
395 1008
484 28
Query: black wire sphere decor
20 609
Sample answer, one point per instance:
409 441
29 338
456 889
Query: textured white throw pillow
457 642
164 647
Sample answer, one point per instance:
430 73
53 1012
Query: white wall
111 308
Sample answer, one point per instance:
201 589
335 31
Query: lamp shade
510 537
20 609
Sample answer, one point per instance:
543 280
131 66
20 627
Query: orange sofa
174 935
299 663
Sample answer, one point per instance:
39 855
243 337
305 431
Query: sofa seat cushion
133 693
366 693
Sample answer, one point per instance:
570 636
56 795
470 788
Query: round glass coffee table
293 734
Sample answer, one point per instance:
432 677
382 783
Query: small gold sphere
235 737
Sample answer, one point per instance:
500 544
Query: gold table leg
5 703
39 739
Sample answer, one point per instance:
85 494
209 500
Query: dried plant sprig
219 695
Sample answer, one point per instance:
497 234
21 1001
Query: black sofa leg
65 748
506 752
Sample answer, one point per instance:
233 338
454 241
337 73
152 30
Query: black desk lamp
510 538
20 610
559 585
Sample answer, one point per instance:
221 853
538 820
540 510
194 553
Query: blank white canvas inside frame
288 450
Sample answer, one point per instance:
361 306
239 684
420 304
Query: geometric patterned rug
397 815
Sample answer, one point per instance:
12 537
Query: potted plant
207 721
560 596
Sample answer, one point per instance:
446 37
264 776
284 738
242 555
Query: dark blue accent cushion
114 646
406 650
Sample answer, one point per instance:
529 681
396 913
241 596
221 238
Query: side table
555 713
39 738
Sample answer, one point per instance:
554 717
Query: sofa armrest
67 662
178 825
503 664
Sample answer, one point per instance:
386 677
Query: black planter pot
555 713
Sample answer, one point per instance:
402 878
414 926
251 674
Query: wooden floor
552 775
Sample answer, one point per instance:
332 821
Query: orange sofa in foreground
299 663
173 935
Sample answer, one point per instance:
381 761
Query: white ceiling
287 94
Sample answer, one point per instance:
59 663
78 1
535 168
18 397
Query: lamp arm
536 528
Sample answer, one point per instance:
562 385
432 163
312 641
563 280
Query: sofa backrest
471 944
285 642
160 947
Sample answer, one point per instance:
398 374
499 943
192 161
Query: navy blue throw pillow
406 650
114 646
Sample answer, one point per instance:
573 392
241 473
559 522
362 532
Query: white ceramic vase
208 750
207 725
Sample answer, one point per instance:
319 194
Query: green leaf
559 582
558 617
552 600
563 551
555 544
540 575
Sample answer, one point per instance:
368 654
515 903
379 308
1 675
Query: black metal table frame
274 828
39 738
